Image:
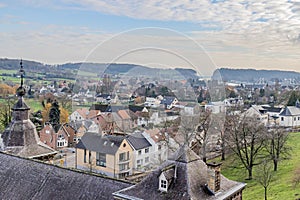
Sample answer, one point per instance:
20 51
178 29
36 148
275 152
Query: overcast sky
202 34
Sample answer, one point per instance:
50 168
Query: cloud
236 33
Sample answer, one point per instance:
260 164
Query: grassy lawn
281 186
8 71
34 104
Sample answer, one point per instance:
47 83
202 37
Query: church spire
21 90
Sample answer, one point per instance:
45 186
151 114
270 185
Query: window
84 157
140 152
147 150
294 118
146 159
101 159
282 118
159 147
122 156
123 167
90 157
163 184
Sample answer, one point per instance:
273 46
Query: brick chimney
214 176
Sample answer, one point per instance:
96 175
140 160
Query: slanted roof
167 100
272 109
83 112
20 105
290 111
138 141
103 144
189 183
101 107
27 179
124 114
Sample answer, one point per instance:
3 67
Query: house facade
107 155
290 116
142 151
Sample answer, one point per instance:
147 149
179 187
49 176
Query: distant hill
113 68
253 75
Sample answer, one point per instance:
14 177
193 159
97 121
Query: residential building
64 137
259 112
290 116
109 155
79 114
169 102
142 151
159 147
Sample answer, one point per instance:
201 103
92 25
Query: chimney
214 176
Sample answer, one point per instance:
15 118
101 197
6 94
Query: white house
142 150
152 102
79 114
290 116
159 146
191 109
233 102
216 107
259 112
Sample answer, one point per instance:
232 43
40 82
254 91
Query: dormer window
166 178
163 183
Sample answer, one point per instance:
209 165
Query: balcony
124 170
125 160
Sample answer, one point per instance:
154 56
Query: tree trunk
266 193
223 153
249 173
275 165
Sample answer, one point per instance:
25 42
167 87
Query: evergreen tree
54 115
293 98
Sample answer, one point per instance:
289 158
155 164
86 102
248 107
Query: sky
202 34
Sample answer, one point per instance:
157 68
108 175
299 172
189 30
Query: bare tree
276 145
264 176
245 138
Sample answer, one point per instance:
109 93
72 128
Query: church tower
20 137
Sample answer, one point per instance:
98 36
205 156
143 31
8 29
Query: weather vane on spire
21 90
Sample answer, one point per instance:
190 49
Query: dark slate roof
28 179
290 111
190 182
101 107
272 109
167 100
135 108
20 105
138 141
102 144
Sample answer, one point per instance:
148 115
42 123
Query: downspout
115 166
75 158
